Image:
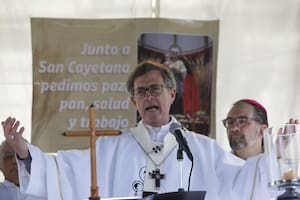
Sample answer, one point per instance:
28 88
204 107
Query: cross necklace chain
155 174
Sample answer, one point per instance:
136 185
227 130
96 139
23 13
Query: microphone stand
180 160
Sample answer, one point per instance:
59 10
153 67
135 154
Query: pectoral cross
92 134
155 174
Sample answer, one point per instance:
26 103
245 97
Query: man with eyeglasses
143 159
9 188
245 123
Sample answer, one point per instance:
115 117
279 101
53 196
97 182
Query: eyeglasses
239 121
8 155
154 90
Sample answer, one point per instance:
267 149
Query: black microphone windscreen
174 127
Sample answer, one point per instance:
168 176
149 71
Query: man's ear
133 100
262 128
173 94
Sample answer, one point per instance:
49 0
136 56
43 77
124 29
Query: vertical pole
155 4
92 134
94 187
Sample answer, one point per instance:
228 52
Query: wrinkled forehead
241 109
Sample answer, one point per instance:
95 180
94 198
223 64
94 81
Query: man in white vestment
245 123
143 159
9 188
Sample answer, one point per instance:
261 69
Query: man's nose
234 126
148 94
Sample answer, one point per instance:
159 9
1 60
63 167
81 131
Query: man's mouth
234 134
151 108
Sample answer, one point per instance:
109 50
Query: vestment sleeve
43 172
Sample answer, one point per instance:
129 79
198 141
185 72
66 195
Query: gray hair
148 66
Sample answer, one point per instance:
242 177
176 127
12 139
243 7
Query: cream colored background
58 41
259 49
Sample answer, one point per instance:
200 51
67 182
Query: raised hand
14 136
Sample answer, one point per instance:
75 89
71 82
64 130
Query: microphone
175 129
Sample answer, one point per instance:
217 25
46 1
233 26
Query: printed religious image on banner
190 59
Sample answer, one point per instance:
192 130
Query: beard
237 141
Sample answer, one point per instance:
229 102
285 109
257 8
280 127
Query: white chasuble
124 163
156 155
